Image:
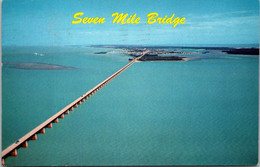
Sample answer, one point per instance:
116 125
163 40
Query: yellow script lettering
151 18
169 20
75 17
122 18
182 21
176 21
86 19
119 18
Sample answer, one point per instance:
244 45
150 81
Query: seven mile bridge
32 135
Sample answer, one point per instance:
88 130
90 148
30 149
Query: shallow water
200 112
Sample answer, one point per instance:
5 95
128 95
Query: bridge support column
34 137
56 120
71 109
3 161
14 153
67 112
79 102
50 125
83 100
42 131
75 106
62 116
25 144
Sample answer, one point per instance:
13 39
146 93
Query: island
148 57
242 51
100 53
155 55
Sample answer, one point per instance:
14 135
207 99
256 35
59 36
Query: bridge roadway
32 135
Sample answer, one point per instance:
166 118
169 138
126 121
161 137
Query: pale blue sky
48 22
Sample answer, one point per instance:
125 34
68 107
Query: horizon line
165 45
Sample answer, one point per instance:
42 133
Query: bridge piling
42 131
14 153
34 137
56 120
50 125
25 144
62 116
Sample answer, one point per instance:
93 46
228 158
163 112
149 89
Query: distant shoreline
225 50
243 51
179 47
149 57
183 59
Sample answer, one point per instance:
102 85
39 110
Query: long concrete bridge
32 135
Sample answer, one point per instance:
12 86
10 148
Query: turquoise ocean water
199 112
